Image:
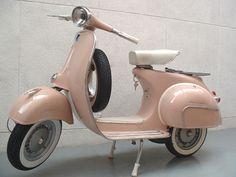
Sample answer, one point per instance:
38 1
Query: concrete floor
217 158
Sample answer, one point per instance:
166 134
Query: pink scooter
176 109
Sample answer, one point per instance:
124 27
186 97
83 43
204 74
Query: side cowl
188 105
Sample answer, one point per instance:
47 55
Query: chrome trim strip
121 120
128 135
196 105
201 106
32 91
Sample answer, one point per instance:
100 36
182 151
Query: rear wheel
30 145
185 142
99 81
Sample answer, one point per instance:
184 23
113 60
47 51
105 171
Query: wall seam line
134 13
19 48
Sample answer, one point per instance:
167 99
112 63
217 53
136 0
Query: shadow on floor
92 161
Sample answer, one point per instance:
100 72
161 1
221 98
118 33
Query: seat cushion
152 57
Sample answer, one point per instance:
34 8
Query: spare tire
99 81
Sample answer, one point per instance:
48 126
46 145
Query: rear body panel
158 114
187 105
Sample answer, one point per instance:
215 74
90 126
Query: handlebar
126 36
82 17
95 22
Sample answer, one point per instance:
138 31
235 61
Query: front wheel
30 145
185 142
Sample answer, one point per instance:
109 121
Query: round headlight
80 16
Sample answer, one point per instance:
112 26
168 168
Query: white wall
34 46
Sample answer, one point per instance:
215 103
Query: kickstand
113 147
137 164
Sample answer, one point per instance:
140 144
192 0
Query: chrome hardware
197 74
80 16
40 141
77 37
135 83
32 91
53 77
217 99
10 127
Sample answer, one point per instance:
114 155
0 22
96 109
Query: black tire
104 82
192 143
20 139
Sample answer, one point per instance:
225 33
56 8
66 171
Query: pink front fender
187 105
41 103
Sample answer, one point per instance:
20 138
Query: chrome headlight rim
80 16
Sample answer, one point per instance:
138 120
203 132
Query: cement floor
217 158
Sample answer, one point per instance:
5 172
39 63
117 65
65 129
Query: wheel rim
188 141
39 142
92 83
187 138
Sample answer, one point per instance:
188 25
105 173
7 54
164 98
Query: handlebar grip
126 36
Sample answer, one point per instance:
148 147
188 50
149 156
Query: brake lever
61 17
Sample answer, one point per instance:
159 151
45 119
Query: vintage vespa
176 109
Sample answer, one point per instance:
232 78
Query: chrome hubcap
40 141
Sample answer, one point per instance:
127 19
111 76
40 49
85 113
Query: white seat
152 57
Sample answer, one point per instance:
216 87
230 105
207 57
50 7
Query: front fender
187 105
41 103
